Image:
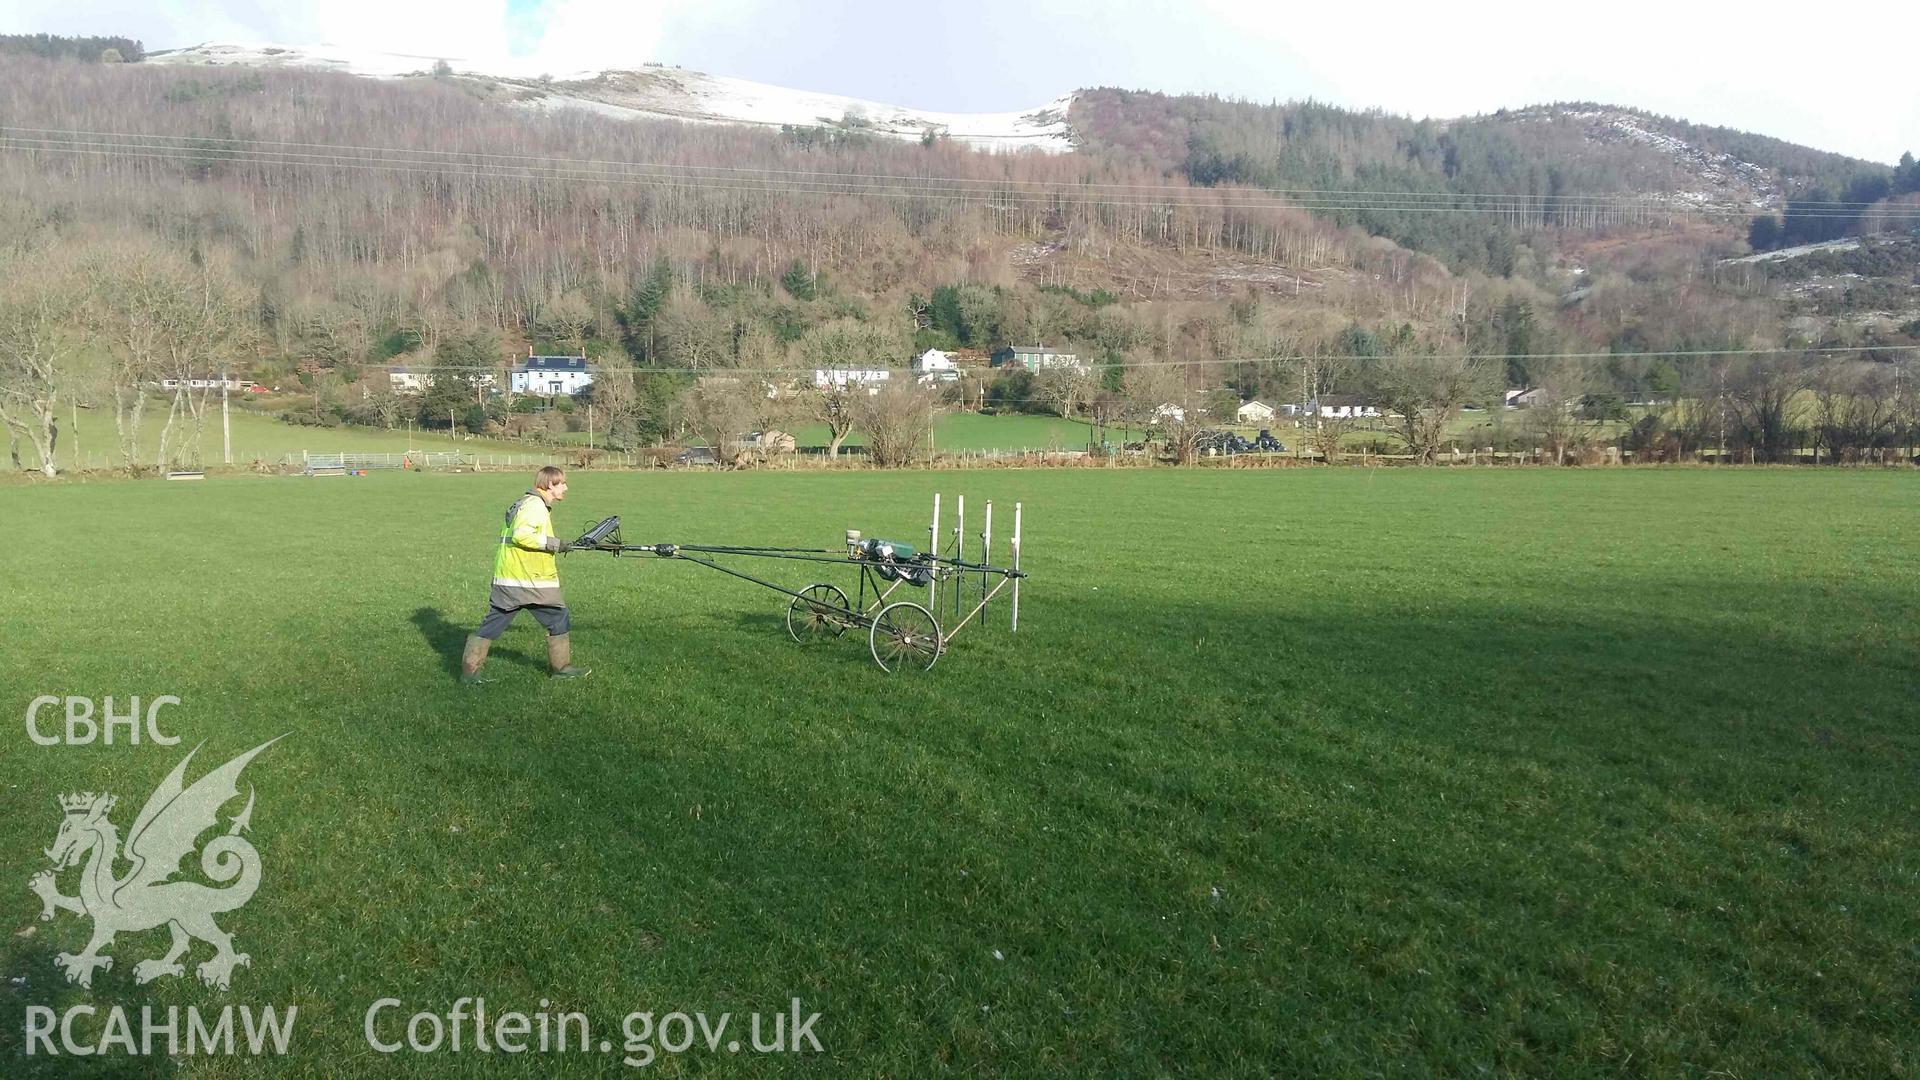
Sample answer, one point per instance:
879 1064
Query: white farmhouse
935 366
1037 358
1254 412
842 378
551 376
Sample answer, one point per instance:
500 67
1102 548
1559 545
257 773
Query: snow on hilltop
655 92
1723 176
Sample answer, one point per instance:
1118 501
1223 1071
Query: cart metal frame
901 634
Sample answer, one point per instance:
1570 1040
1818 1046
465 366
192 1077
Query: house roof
1255 401
554 363
1352 401
1042 350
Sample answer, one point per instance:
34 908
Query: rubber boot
472 658
560 656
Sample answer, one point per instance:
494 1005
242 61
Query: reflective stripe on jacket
524 570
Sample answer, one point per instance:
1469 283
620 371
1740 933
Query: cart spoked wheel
905 635
820 611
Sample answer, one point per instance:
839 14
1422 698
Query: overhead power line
1009 193
395 152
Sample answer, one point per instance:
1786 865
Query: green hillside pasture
255 436
1301 773
973 431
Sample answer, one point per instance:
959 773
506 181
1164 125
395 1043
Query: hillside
655 92
1579 165
377 214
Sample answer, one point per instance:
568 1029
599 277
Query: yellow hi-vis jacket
524 570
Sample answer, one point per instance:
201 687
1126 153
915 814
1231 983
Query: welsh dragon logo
163 834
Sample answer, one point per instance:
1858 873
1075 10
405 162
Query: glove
557 546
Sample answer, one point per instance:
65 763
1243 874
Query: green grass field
255 435
1292 772
972 431
268 438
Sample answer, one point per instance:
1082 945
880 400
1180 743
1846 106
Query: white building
1344 407
1169 411
935 366
551 376
409 381
1037 358
1254 412
842 378
209 382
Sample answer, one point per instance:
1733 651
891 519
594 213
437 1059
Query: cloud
473 30
1835 84
1823 84
603 33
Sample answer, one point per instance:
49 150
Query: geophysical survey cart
901 634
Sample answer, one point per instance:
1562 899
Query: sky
1844 84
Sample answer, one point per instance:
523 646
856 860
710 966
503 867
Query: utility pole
226 422
1723 417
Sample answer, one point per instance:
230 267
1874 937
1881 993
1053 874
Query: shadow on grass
449 639
33 980
1520 772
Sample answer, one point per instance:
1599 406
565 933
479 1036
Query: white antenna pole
986 551
933 538
1016 566
959 545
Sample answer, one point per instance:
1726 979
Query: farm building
1344 407
1037 358
1254 412
935 366
841 378
551 376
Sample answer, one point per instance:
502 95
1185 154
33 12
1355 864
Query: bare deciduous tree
1159 398
690 335
898 418
200 315
1066 387
614 399
1856 409
1557 416
1762 404
1324 433
1426 392
127 286
38 340
719 411
843 344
